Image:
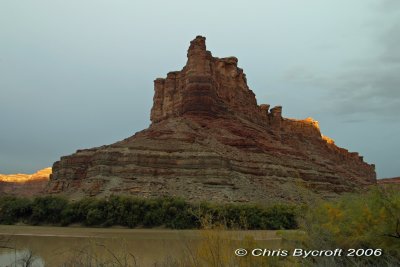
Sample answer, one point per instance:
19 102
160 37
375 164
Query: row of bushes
134 212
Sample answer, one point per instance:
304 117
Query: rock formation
389 181
210 140
24 184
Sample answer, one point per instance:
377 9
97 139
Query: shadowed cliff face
210 140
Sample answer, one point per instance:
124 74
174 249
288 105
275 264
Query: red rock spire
206 85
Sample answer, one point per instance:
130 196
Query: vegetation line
173 213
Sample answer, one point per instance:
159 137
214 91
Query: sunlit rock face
24 184
210 140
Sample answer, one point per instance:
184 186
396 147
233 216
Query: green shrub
94 217
47 209
133 212
13 209
153 213
76 212
96 213
279 217
179 215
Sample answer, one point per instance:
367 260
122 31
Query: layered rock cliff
210 140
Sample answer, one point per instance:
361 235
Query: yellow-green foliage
368 220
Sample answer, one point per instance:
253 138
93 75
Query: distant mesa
210 140
42 174
389 181
24 184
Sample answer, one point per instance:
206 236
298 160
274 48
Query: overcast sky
78 74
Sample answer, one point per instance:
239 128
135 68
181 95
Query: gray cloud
367 86
390 41
388 5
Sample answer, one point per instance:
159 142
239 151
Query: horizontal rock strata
210 140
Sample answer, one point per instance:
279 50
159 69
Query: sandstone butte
210 140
